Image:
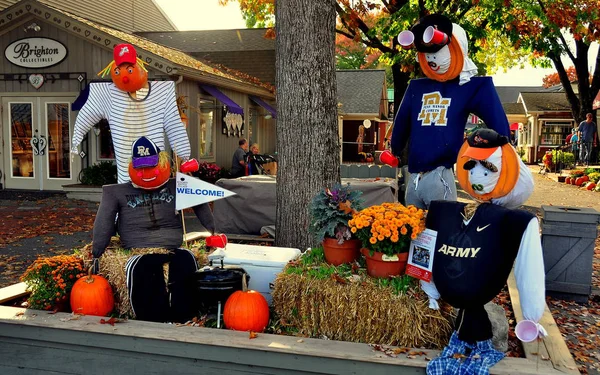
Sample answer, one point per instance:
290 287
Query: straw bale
112 266
359 311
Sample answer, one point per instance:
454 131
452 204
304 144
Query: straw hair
104 72
359 311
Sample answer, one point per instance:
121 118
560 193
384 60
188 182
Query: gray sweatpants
422 188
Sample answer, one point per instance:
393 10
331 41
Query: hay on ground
359 311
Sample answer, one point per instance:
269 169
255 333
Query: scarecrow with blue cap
147 218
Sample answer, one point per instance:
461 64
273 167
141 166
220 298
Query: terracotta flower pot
381 265
337 254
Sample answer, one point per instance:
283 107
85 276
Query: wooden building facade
50 56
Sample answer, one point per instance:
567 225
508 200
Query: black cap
483 143
438 21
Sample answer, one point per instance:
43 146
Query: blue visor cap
144 153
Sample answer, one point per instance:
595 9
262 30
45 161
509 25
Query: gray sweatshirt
147 218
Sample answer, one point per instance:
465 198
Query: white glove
430 289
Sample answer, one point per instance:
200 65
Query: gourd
92 295
246 310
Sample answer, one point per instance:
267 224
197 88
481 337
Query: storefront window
206 129
59 161
554 133
20 136
105 143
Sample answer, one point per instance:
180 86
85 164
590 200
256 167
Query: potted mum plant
330 211
385 232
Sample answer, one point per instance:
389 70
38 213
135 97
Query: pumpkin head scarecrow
435 109
147 218
127 71
134 107
476 246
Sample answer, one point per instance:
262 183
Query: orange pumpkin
585 178
246 310
568 180
508 175
579 181
92 295
590 186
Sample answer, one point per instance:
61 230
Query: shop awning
231 105
265 105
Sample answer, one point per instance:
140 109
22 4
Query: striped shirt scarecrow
134 107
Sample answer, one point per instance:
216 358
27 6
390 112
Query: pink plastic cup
406 39
387 158
434 36
527 330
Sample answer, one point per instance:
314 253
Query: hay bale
112 266
359 311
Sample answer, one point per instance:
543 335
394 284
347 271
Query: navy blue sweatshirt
434 114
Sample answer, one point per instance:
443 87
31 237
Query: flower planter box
83 192
36 341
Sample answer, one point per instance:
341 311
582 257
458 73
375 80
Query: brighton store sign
35 52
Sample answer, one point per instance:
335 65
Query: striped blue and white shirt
152 114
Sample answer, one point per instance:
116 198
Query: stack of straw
359 311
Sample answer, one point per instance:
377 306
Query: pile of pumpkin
585 179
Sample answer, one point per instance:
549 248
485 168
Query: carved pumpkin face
150 178
483 183
129 77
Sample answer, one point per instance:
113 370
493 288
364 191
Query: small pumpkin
579 181
246 310
585 178
590 186
92 295
568 180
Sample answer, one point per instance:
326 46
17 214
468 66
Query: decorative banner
36 80
192 191
35 53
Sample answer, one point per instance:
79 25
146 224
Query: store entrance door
37 133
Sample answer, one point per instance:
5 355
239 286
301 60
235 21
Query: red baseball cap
124 53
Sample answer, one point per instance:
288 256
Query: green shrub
566 158
103 173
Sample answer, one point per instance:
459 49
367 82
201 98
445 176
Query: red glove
189 166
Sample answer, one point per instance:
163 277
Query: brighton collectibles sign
35 52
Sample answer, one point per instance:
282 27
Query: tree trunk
308 142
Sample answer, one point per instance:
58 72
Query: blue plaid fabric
478 362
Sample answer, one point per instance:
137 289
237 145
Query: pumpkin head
149 167
246 310
127 71
497 162
92 295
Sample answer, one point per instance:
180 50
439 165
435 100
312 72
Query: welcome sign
35 53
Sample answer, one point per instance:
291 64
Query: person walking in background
574 141
587 137
238 162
